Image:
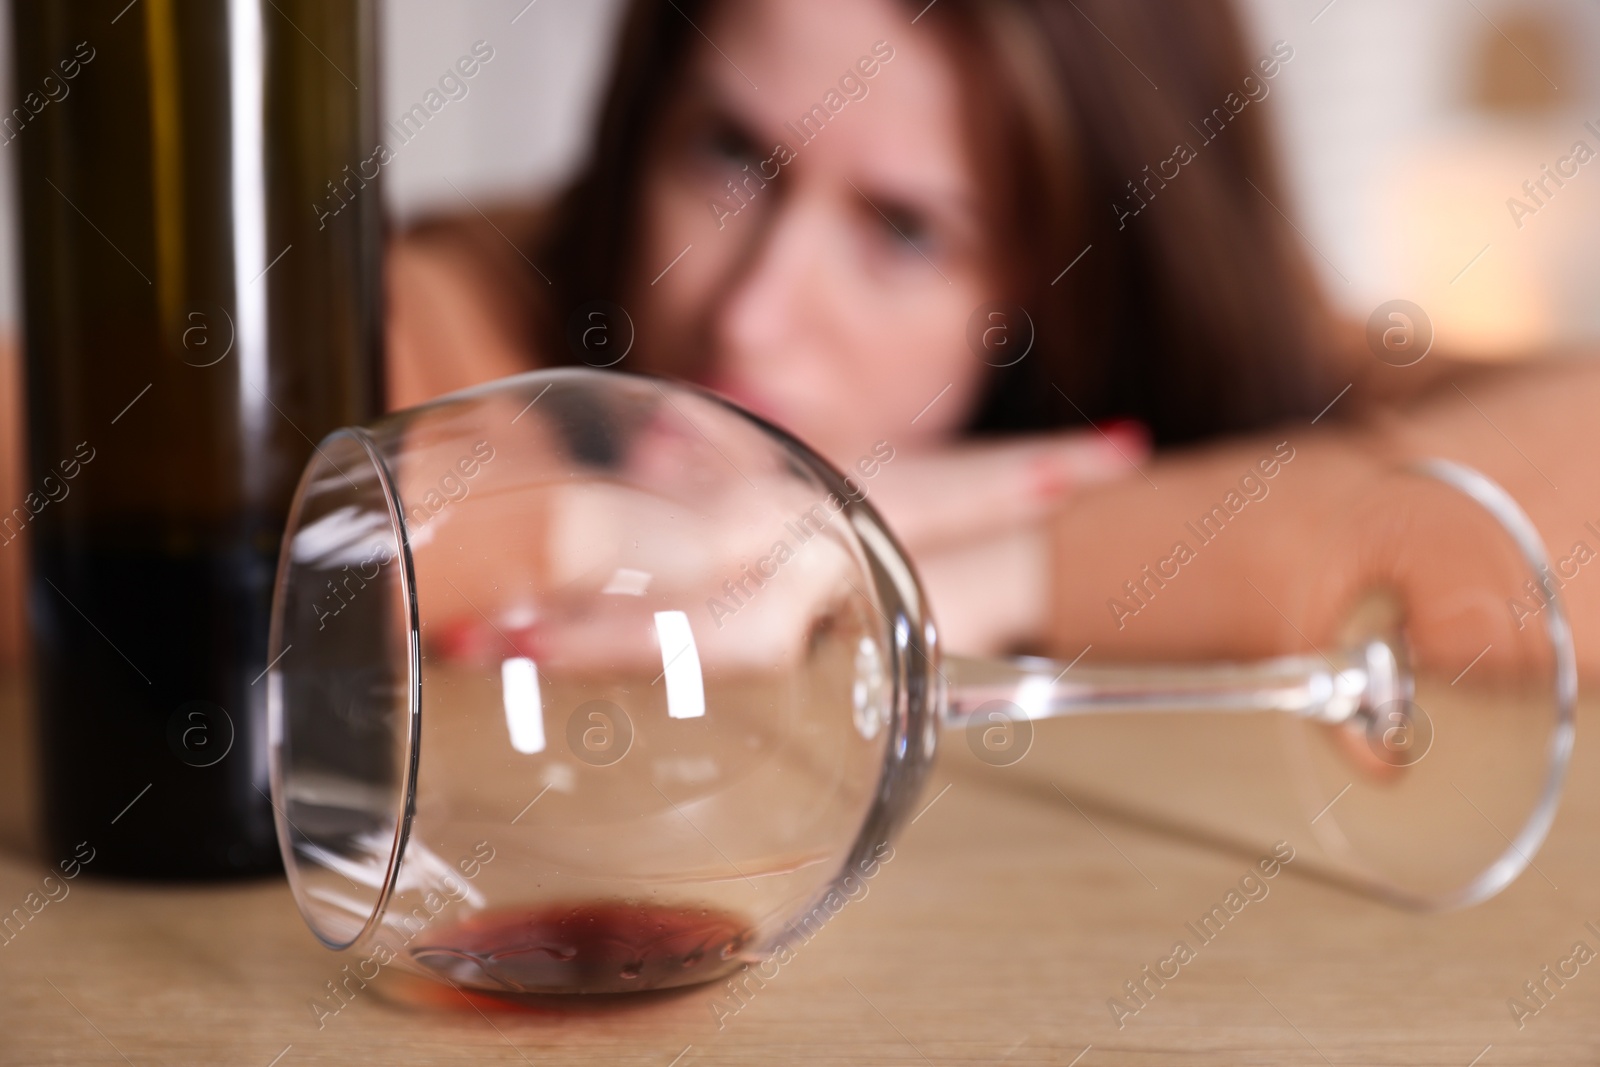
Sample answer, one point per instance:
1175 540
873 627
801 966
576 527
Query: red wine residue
600 947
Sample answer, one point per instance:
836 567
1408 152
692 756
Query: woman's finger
970 492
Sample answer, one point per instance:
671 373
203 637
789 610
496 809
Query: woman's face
830 287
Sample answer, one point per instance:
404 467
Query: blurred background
1406 126
1409 131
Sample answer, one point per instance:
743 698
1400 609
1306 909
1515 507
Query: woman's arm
461 306
1530 427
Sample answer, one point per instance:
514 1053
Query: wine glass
591 682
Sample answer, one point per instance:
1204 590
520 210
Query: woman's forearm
1195 559
1172 566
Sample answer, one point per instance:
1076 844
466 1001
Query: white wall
528 115
1399 183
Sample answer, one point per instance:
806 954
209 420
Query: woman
972 229
840 214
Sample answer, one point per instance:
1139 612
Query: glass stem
1328 689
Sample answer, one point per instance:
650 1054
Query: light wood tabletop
1005 923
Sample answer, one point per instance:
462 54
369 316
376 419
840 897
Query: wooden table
998 934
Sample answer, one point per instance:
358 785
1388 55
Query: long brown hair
1196 312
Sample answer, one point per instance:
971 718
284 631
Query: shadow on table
407 990
1077 803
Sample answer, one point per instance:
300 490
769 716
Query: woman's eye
725 144
906 227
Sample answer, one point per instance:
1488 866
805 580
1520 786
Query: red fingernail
1126 429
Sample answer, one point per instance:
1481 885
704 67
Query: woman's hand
975 520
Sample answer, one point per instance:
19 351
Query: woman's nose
778 290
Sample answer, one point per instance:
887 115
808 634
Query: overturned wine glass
591 682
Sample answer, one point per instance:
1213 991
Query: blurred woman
1022 240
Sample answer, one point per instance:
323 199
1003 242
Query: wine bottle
194 319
